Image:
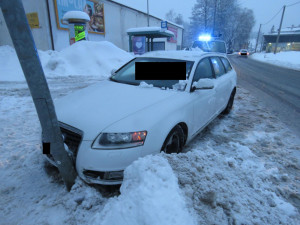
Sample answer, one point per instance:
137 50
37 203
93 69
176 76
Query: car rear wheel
174 141
229 104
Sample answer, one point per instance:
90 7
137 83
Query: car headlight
119 140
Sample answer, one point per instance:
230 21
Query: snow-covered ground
290 59
242 169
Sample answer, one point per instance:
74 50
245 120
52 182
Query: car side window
218 66
226 64
203 70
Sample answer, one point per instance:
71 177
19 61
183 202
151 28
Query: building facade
109 22
289 40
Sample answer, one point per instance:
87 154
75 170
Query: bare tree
174 17
179 19
201 20
222 18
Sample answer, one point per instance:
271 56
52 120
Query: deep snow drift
242 169
83 58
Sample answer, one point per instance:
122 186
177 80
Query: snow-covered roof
75 15
157 17
282 33
175 24
286 31
181 55
291 29
148 29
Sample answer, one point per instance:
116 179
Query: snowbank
82 58
285 59
239 171
150 195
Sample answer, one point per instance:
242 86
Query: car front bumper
104 166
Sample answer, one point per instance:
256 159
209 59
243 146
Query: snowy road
242 169
278 88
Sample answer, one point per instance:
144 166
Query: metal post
277 39
130 43
257 38
151 44
50 25
16 21
262 41
148 44
215 11
148 12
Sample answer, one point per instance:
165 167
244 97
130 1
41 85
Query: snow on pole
77 25
16 21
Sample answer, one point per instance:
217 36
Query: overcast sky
263 10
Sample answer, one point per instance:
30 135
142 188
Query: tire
174 141
229 104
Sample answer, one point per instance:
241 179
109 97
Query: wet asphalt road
276 87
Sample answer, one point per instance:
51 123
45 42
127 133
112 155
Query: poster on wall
93 8
174 30
138 45
33 20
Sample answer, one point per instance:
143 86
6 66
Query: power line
293 4
273 17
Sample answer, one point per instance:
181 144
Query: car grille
72 137
108 176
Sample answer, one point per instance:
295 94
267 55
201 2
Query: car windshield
243 50
210 46
127 73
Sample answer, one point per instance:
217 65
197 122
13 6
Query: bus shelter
150 33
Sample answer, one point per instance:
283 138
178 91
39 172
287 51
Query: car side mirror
203 84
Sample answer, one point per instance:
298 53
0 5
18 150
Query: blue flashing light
206 37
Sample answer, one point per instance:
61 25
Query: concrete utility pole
257 38
215 11
148 12
277 39
16 21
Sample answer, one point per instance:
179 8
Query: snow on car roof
181 55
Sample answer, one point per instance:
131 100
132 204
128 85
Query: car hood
98 106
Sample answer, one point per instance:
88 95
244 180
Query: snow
203 83
147 29
289 59
76 15
180 86
82 58
197 49
149 195
145 85
242 169
143 29
187 55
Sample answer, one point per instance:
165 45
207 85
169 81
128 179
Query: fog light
115 175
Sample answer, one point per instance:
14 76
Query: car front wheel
229 104
174 141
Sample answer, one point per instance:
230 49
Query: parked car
244 52
110 124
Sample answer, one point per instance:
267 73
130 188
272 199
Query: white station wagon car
110 124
